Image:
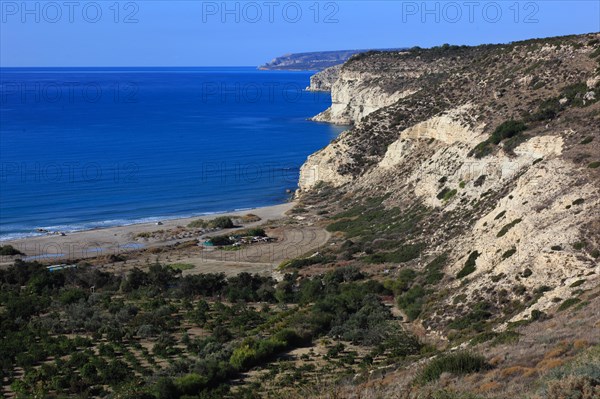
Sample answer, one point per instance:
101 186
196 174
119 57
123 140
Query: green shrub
577 283
9 250
556 248
507 130
578 201
191 384
475 319
587 140
443 193
449 195
433 270
404 254
498 216
594 165
509 226
242 357
412 301
482 149
456 363
538 315
220 241
181 266
506 337
72 295
221 222
574 93
197 224
254 232
509 253
469 265
546 113
568 303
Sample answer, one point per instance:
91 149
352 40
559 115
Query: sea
86 148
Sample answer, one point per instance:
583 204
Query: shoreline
118 239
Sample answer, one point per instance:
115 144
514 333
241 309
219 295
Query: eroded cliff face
353 98
324 80
527 204
356 93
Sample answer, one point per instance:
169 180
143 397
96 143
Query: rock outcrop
324 80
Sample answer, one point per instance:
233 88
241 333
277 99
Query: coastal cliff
316 60
496 146
322 81
359 91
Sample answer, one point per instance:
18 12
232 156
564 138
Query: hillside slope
476 168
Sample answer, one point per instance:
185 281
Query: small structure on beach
53 268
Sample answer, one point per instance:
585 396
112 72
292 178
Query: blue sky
217 33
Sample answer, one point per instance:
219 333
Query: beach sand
117 240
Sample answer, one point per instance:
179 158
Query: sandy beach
120 239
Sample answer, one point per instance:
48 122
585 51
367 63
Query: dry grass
517 371
573 387
489 386
549 364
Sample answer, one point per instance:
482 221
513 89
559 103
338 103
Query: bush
469 265
482 149
221 222
298 263
509 226
9 250
401 255
433 271
190 384
255 232
196 224
72 295
412 301
220 241
508 130
509 253
443 193
594 165
456 363
568 303
449 195
475 320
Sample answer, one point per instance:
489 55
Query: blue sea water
84 148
